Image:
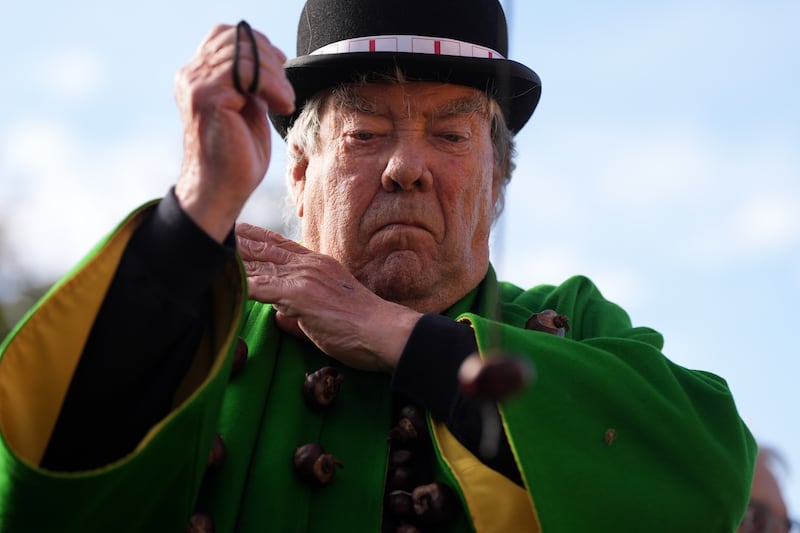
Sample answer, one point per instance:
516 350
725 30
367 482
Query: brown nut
434 503
217 453
239 357
401 457
409 427
314 466
400 504
496 378
321 387
548 321
200 523
400 478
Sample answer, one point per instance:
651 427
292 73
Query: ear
297 181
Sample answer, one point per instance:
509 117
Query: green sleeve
153 488
612 436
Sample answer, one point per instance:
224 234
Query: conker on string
416 416
403 433
434 503
400 478
409 427
548 321
401 457
400 504
496 378
314 466
322 386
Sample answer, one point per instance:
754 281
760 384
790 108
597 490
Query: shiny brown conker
314 466
321 387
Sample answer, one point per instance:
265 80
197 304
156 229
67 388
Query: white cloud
35 149
768 222
552 265
761 223
656 168
71 73
528 267
706 198
64 194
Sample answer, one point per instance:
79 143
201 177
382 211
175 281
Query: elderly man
766 512
147 391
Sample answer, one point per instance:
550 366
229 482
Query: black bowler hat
453 41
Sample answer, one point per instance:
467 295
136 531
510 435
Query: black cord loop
237 82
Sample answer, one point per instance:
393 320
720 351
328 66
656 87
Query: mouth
403 225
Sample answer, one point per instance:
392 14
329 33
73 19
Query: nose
407 168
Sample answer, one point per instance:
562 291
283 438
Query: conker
200 523
400 478
322 386
239 357
404 432
401 457
400 504
434 503
409 427
496 378
217 453
548 321
314 466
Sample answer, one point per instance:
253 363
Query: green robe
612 436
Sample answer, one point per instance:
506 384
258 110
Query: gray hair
303 136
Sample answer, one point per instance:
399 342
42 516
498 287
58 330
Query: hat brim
516 87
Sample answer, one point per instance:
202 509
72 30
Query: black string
237 82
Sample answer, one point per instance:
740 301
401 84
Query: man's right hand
226 134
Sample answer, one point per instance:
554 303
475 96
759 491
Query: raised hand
226 133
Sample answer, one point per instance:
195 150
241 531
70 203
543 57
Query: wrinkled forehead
408 99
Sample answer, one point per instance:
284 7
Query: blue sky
662 161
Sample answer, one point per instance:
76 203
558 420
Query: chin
401 277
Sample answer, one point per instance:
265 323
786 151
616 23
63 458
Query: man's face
402 190
767 510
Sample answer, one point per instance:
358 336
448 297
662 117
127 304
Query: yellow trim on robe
52 338
495 503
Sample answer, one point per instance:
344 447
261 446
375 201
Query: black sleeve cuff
427 374
183 258
427 371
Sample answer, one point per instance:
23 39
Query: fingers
266 255
259 68
288 275
260 244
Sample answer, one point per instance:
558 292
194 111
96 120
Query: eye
362 135
454 140
454 137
